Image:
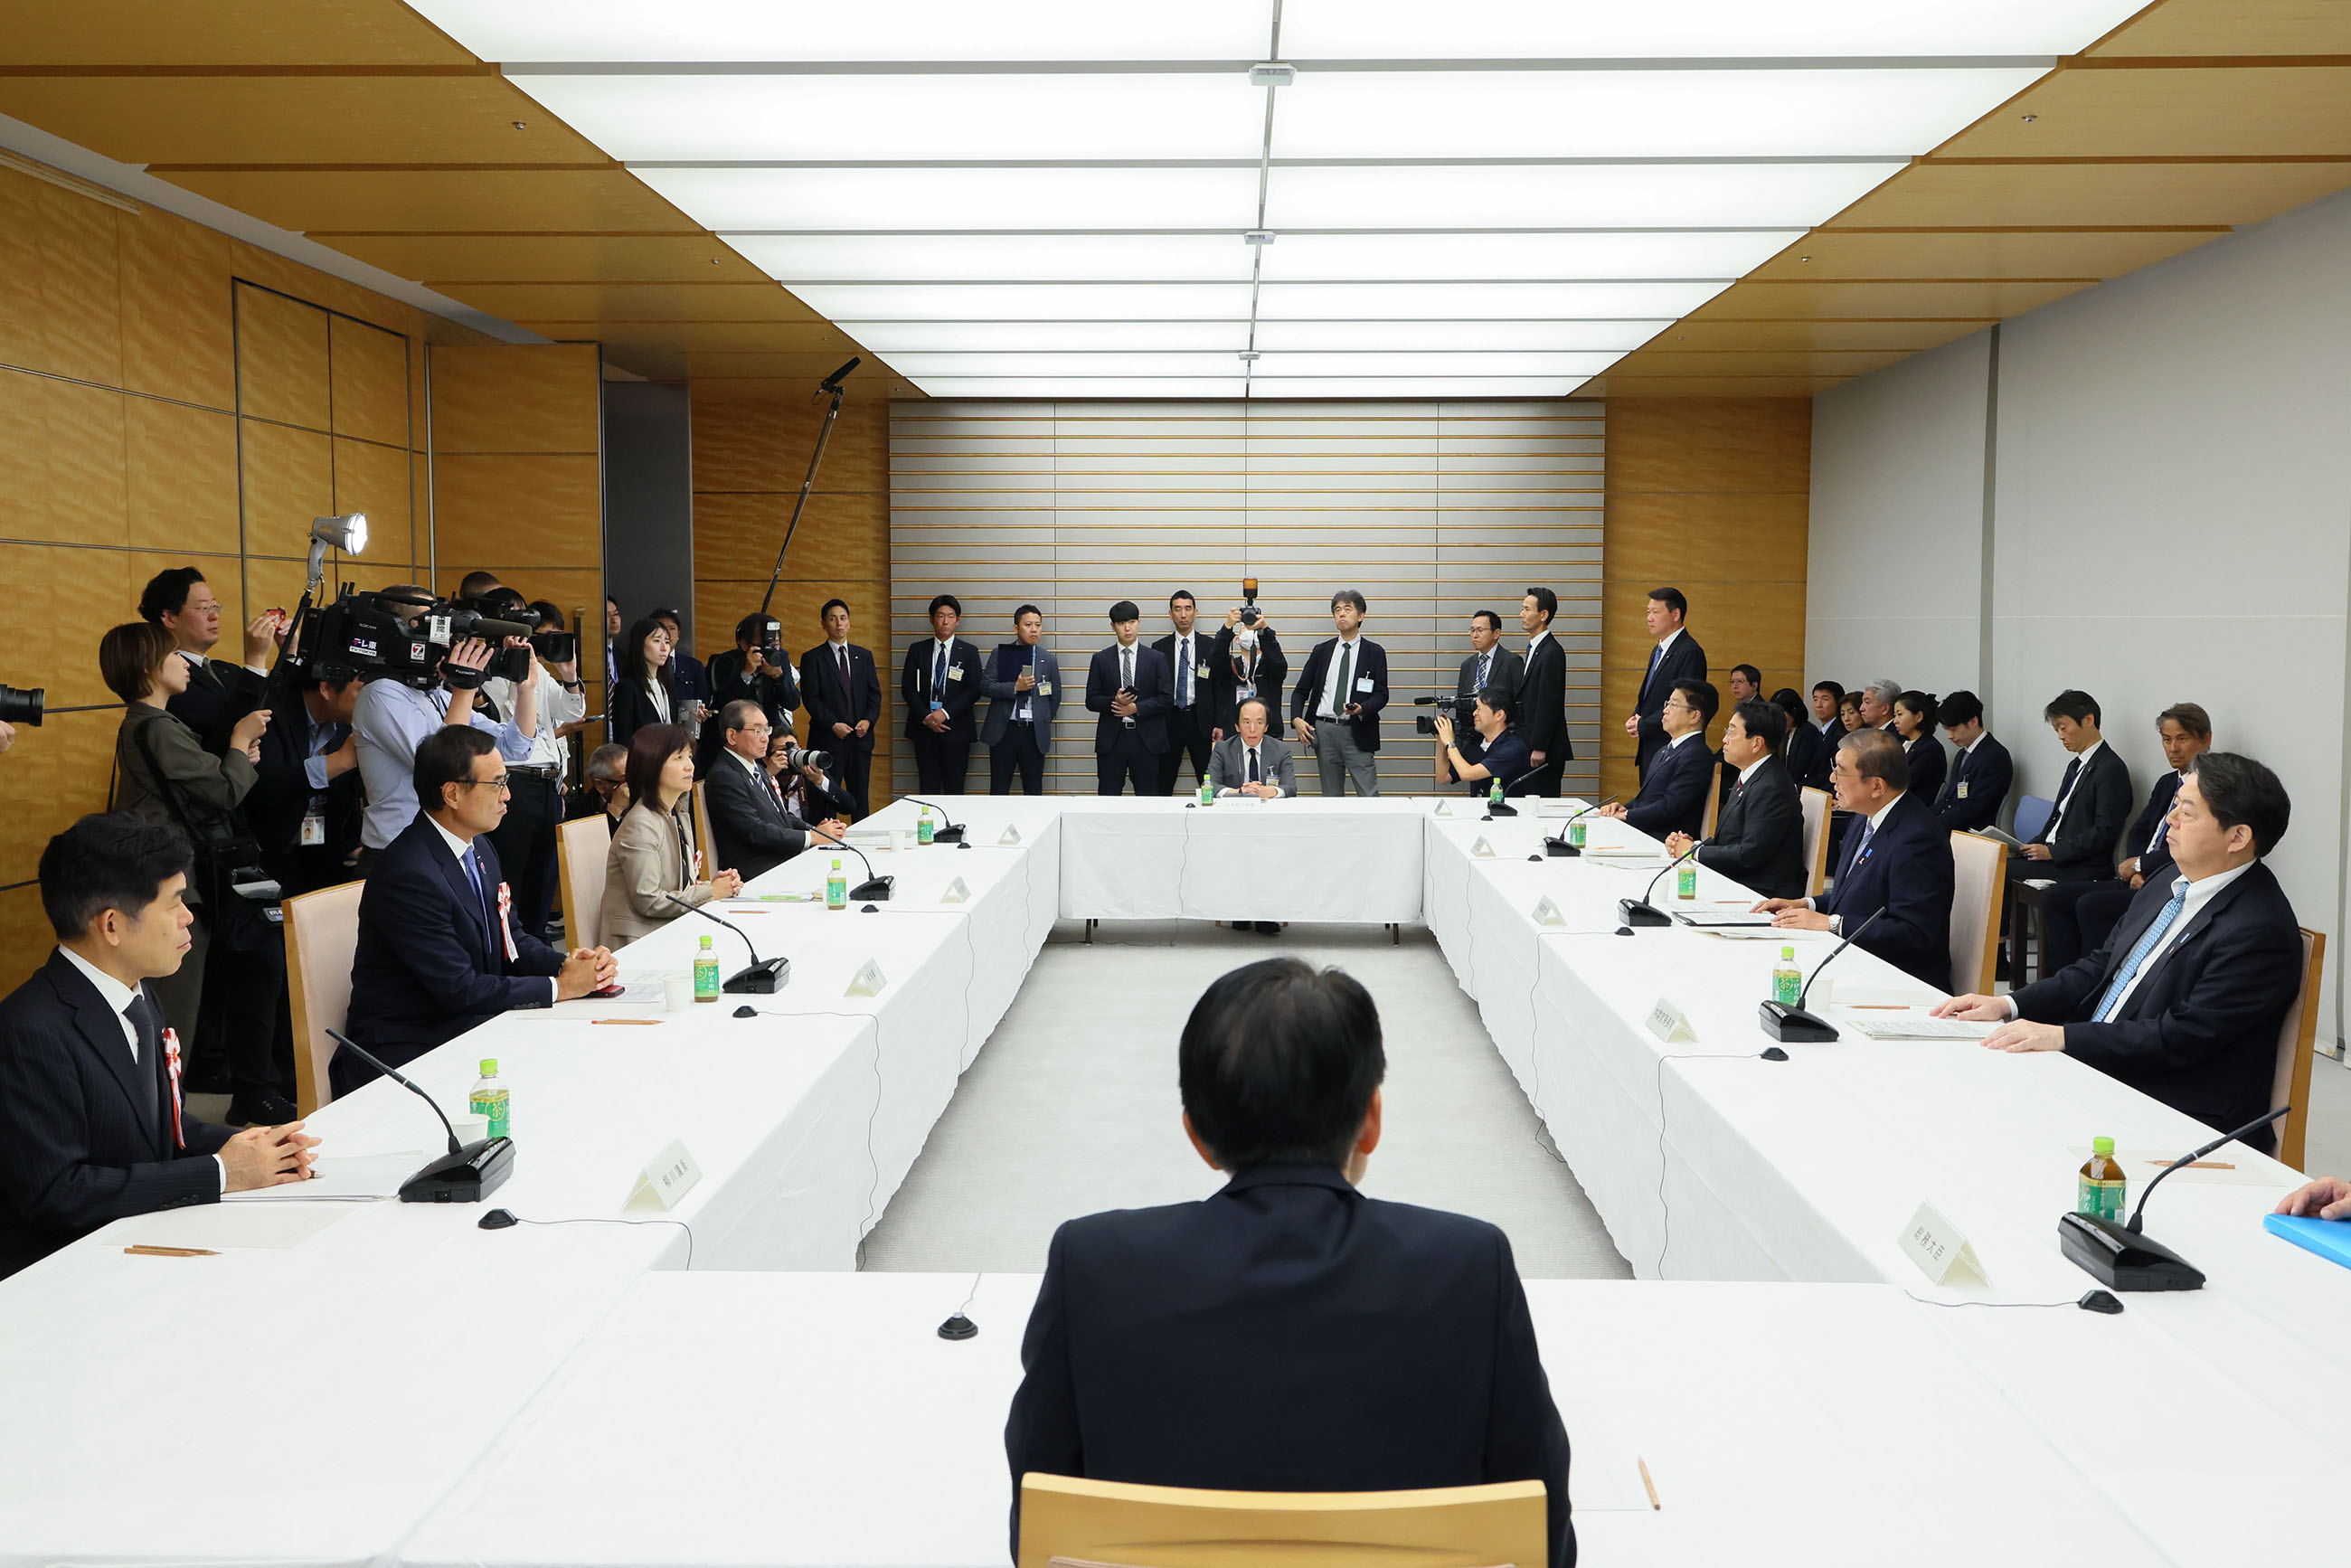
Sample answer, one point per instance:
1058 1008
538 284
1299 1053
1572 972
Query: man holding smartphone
1127 688
1337 708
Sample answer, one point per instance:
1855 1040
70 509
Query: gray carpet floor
1072 1106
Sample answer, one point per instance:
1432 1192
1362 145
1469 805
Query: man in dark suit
941 685
219 693
1336 709
1674 786
1759 840
2184 1000
843 692
92 1127
1024 693
1977 784
1542 698
1828 723
1289 1333
1252 665
438 949
1677 657
1745 686
1127 689
1196 705
1490 667
750 672
1896 859
2093 803
2078 917
753 829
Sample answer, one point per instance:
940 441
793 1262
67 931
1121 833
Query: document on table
1725 920
352 1179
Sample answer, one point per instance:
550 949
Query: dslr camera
797 757
405 637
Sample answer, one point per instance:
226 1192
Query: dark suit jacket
1371 663
1152 693
2199 1032
1209 696
1272 669
427 968
2156 863
959 695
1823 758
828 705
1928 767
1801 757
2083 848
1673 790
219 693
1544 699
86 1132
752 832
1288 1334
1987 770
629 708
281 796
1908 873
1506 674
1759 838
1004 668
1684 660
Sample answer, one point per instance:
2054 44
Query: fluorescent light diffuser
1633 114
896 338
1011 257
1412 386
1444 257
977 117
1720 29
904 30
1484 301
918 366
1612 337
1078 386
1564 195
961 198
1028 301
1274 366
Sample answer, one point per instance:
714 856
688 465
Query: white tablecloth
1351 860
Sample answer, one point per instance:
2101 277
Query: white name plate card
1444 808
1012 835
1939 1249
1668 1023
1481 849
869 981
669 1177
956 892
1546 913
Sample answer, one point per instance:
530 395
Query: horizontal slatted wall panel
1432 509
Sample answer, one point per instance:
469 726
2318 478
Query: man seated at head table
92 1127
1679 773
2184 1000
1288 1334
1758 837
1896 866
1249 761
755 829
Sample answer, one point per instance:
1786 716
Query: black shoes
268 1109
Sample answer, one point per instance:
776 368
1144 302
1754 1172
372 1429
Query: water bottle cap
489 1067
2102 1147
706 941
1788 955
836 863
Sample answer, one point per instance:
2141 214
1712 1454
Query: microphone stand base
1794 1026
1499 810
874 890
1641 912
947 835
2121 1259
1560 849
469 1175
764 978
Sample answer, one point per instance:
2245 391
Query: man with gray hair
607 785
1877 700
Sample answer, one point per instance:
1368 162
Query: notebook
2330 1238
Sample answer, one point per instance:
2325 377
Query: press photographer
526 837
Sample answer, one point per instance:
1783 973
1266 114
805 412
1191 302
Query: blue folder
2330 1238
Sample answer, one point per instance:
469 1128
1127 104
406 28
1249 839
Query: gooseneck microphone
1557 845
1796 1026
2119 1257
468 1172
873 889
1503 807
1640 911
764 977
950 834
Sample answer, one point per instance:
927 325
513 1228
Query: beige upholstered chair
1980 878
1816 839
2291 1086
322 933
581 849
1115 1525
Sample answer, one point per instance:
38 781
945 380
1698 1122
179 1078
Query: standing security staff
1024 692
1195 712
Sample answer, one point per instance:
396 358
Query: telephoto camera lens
19 705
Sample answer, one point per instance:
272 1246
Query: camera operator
392 717
550 625
809 792
1505 756
754 670
525 836
218 693
1254 665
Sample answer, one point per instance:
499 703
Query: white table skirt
1309 860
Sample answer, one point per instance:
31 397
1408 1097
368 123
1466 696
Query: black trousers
2068 911
1546 780
244 982
1126 761
1187 735
1017 751
853 766
940 761
526 844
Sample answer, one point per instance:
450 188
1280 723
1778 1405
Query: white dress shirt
2200 894
557 707
1749 771
462 849
118 998
2049 834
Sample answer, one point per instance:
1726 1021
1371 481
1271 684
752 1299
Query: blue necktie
939 678
481 898
2112 1002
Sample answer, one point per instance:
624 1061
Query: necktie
1253 775
1657 657
1183 671
1860 848
1126 669
147 1023
481 896
2112 1002
939 677
1485 668
840 662
1346 658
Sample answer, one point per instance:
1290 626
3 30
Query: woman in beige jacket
653 858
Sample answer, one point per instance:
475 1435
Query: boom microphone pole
833 384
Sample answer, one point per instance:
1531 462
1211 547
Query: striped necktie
2112 1002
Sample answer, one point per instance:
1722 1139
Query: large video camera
1464 711
20 705
405 637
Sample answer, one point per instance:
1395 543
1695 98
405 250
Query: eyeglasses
501 784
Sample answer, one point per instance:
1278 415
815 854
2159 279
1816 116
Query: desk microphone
1503 807
2119 1257
1781 1021
765 976
468 1172
950 834
1640 911
874 889
1557 845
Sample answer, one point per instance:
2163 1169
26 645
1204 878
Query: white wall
2171 517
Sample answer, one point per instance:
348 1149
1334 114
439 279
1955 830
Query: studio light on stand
346 532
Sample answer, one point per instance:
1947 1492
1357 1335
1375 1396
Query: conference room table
426 1354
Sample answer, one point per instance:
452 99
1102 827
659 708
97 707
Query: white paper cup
677 993
902 838
469 1128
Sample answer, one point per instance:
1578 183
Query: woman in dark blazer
647 691
1913 720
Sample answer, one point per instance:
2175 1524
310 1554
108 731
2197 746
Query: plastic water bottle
1685 880
2099 1192
1208 793
922 828
1787 980
489 1098
836 887
1494 793
705 973
1575 834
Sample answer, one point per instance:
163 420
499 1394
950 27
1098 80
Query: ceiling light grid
1368 197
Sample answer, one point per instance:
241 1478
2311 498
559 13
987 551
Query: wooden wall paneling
368 381
178 340
517 510
62 465
181 476
24 935
326 202
375 480
57 282
736 535
281 359
520 399
55 773
82 593
289 480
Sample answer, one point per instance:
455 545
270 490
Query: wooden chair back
582 850
2291 1084
702 838
1979 883
1064 1520
322 935
1816 841
1713 802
